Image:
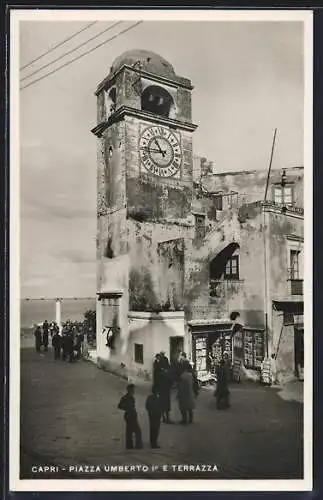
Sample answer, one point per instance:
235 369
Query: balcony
296 287
224 288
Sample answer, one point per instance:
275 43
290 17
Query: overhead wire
80 56
58 45
72 50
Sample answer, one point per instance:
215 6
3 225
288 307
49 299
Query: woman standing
186 394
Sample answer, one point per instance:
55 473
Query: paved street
69 417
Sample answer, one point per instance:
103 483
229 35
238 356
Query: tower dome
147 61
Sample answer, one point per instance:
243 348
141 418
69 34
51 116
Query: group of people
167 376
42 334
67 344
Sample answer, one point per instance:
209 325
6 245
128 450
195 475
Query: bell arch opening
157 100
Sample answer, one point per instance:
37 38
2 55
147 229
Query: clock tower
145 164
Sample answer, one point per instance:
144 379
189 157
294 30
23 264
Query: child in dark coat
154 408
128 405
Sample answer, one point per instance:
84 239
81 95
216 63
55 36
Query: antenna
270 163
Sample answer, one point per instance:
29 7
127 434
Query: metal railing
222 288
236 200
296 282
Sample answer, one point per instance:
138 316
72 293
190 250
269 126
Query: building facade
184 252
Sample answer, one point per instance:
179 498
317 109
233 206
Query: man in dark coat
56 343
128 405
64 342
157 368
222 392
165 387
45 334
38 337
69 343
154 409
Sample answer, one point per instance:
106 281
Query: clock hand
153 150
160 149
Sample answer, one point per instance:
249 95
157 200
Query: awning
289 306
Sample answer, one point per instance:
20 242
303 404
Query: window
139 353
288 196
218 202
283 195
294 264
278 195
232 268
199 226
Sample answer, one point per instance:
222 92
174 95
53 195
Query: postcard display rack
222 344
201 354
248 346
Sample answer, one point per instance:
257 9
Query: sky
247 78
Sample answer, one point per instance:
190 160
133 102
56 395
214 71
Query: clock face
160 151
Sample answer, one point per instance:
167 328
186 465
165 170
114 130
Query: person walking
222 392
185 394
128 405
45 335
154 409
38 337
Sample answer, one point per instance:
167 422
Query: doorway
176 346
299 351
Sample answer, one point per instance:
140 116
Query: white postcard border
16 484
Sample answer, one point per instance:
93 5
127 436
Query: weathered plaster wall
171 273
245 295
184 105
111 189
153 331
244 227
280 226
253 183
147 286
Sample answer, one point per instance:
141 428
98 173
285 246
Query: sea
37 310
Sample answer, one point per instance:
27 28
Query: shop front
244 346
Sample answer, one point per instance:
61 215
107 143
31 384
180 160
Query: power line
81 55
57 45
71 51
